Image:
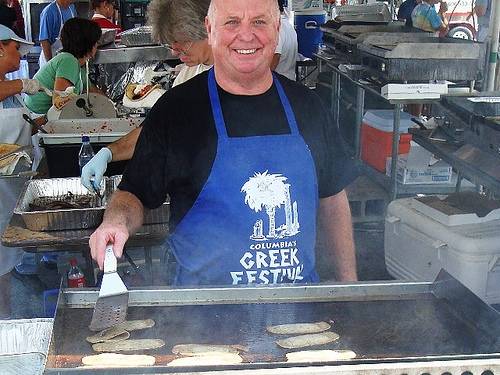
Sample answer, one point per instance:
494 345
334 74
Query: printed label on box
439 173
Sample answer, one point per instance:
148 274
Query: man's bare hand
107 233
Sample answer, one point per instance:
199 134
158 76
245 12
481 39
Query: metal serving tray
100 130
139 36
395 327
61 219
24 345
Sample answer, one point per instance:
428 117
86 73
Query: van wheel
461 32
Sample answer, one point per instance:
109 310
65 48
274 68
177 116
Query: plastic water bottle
76 278
86 152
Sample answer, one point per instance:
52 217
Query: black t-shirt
177 146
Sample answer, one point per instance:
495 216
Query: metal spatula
111 306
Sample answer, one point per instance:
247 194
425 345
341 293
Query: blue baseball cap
6 34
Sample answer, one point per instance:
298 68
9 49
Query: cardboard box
414 90
299 5
419 167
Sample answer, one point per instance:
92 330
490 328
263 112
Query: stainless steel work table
18 235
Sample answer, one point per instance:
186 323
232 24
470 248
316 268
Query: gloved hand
93 171
31 86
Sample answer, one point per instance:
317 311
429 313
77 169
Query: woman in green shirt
79 38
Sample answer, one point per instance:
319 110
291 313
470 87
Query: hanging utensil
112 305
33 123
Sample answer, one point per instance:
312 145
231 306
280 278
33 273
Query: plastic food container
64 139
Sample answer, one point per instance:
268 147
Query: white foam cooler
417 247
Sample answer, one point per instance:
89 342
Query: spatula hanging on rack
112 304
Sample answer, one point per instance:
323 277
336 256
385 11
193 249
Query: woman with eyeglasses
180 26
104 11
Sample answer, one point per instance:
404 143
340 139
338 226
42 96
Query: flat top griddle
444 321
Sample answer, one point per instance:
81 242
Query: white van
462 25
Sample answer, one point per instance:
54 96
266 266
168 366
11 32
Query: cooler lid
460 208
383 119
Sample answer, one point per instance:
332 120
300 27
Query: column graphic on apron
271 191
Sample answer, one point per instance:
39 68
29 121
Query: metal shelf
448 152
389 183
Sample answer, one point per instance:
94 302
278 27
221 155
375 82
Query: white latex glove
31 86
93 171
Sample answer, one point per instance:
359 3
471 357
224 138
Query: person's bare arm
123 148
275 61
443 8
46 50
336 234
9 88
122 217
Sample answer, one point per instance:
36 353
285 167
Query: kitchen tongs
111 306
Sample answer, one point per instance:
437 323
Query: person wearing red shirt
103 14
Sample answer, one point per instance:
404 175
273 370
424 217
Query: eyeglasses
178 50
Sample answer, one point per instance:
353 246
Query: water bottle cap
85 138
73 262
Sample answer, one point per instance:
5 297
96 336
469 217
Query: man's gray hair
171 19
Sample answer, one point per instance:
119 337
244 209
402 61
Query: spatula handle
109 260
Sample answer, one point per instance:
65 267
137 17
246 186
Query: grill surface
417 57
384 324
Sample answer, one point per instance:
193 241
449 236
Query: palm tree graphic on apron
271 191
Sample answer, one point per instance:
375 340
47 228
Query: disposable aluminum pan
24 345
156 216
139 36
61 219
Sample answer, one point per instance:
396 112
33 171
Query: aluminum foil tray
108 36
156 216
61 219
24 345
139 36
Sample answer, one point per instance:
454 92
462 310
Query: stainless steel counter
118 53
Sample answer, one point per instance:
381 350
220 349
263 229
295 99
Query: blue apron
254 220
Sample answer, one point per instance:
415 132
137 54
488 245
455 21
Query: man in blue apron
250 160
52 20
